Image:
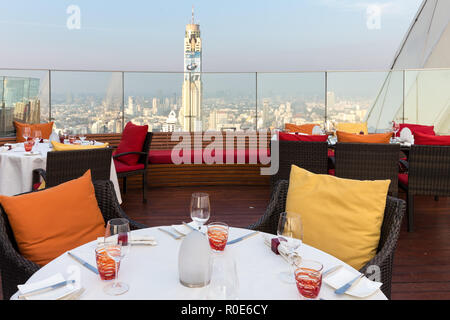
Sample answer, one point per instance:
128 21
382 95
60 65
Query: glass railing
98 102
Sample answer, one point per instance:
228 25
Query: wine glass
395 127
200 208
82 137
117 246
26 133
290 232
37 136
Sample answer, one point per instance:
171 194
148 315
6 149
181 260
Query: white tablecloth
152 271
16 170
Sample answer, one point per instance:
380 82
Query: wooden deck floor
422 258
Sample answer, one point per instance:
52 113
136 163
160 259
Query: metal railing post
256 101
326 99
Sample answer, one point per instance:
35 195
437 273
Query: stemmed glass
200 208
395 127
26 133
117 246
82 137
290 232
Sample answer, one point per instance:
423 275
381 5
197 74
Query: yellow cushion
65 147
352 127
342 217
50 222
364 138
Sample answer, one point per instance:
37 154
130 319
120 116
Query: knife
47 288
347 286
84 263
243 237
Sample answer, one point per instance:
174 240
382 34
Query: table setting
18 160
198 261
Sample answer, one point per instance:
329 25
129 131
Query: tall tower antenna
192 14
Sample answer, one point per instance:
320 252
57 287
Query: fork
173 235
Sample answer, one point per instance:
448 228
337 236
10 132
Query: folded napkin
134 240
4 149
406 136
54 294
362 289
282 250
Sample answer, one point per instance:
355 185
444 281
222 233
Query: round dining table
16 168
151 271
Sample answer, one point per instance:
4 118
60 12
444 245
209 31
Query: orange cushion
46 129
364 138
304 128
50 222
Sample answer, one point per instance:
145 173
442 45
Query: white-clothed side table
152 271
16 169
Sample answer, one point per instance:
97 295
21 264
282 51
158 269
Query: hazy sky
238 35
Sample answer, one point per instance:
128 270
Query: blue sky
245 35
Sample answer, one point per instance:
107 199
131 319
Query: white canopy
426 88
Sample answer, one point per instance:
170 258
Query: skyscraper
190 113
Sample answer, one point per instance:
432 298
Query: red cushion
403 178
165 156
300 137
123 167
417 128
330 153
426 139
133 138
332 172
160 156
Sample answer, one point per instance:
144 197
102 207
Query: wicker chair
311 156
143 162
15 269
63 166
428 175
368 161
390 229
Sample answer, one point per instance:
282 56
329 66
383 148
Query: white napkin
362 289
406 136
136 240
52 294
4 149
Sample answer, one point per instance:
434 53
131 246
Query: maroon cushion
302 137
122 167
426 139
417 128
332 172
403 178
133 138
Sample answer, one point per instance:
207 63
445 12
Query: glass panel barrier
388 104
297 98
229 101
154 99
351 95
87 102
427 98
24 97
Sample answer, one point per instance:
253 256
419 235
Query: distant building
192 90
171 123
19 100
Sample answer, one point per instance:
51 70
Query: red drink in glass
105 264
28 145
308 282
217 236
123 238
